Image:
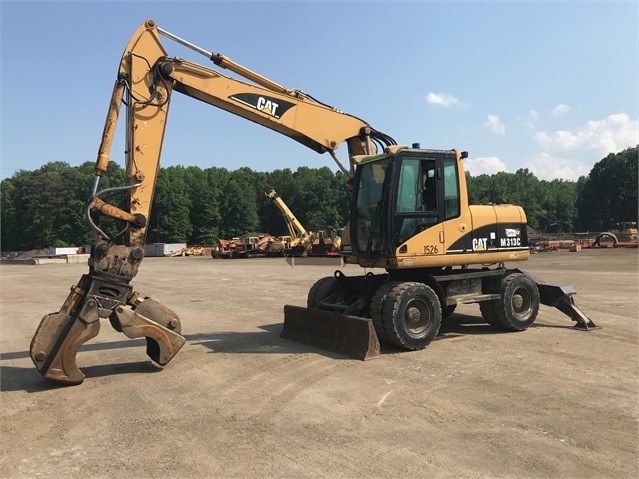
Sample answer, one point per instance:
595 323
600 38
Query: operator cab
401 193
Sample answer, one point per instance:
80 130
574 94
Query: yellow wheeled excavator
409 215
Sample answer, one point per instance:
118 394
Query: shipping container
162 249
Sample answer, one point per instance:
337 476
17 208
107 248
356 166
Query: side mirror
464 155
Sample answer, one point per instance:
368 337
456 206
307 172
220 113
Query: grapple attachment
348 335
101 294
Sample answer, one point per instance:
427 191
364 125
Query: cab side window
451 189
408 192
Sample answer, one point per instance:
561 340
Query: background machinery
189 251
249 245
409 216
299 241
624 233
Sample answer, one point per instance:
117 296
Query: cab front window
367 220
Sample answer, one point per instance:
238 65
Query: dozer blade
55 345
348 335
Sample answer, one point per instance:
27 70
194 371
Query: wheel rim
417 317
521 303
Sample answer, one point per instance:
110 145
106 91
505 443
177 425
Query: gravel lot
239 401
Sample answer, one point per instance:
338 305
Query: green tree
170 222
239 214
44 199
204 195
317 206
609 194
549 206
9 216
558 202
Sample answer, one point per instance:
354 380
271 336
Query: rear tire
518 307
487 309
411 314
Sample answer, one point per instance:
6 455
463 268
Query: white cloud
529 120
484 165
570 154
495 125
445 100
610 135
549 167
560 110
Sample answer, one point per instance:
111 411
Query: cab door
417 205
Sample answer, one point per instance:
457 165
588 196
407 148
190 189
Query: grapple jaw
161 342
55 345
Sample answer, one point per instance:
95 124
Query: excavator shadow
17 378
457 325
267 341
14 378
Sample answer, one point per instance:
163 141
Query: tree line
44 208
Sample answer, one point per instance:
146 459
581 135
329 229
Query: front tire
377 309
518 307
321 290
411 314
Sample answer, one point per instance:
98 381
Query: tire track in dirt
279 381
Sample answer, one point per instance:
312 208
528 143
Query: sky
548 86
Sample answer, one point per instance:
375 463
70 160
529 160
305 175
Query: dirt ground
239 401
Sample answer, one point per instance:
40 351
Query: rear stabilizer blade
351 336
560 296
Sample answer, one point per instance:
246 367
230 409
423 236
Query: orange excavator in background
409 215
